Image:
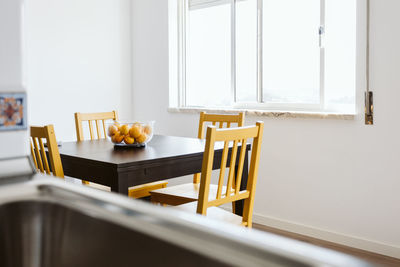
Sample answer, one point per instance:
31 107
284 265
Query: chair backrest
98 118
230 191
222 120
39 153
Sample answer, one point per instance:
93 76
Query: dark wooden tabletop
160 147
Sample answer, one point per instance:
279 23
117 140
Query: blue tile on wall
13 111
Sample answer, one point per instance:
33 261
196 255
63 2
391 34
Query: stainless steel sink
39 233
48 222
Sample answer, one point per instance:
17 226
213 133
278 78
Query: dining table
119 168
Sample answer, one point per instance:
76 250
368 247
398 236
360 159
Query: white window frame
182 11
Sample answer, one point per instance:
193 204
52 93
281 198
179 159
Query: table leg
120 186
240 203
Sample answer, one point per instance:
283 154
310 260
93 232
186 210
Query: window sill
268 113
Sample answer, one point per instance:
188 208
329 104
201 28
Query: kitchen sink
47 222
39 233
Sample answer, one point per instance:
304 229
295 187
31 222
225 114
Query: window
263 54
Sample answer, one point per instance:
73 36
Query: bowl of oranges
136 134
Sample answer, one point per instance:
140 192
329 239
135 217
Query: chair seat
214 213
181 194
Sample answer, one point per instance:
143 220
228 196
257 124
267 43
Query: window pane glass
340 53
246 51
208 70
291 53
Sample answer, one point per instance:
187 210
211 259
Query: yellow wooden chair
180 194
99 119
39 154
212 196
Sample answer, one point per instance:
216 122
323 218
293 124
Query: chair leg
154 200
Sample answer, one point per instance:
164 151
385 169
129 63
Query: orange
117 125
142 138
147 129
129 140
124 129
112 129
117 138
136 131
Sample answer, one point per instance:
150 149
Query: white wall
13 143
337 180
78 60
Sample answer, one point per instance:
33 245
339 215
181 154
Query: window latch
321 32
369 108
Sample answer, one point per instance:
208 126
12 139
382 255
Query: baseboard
351 241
